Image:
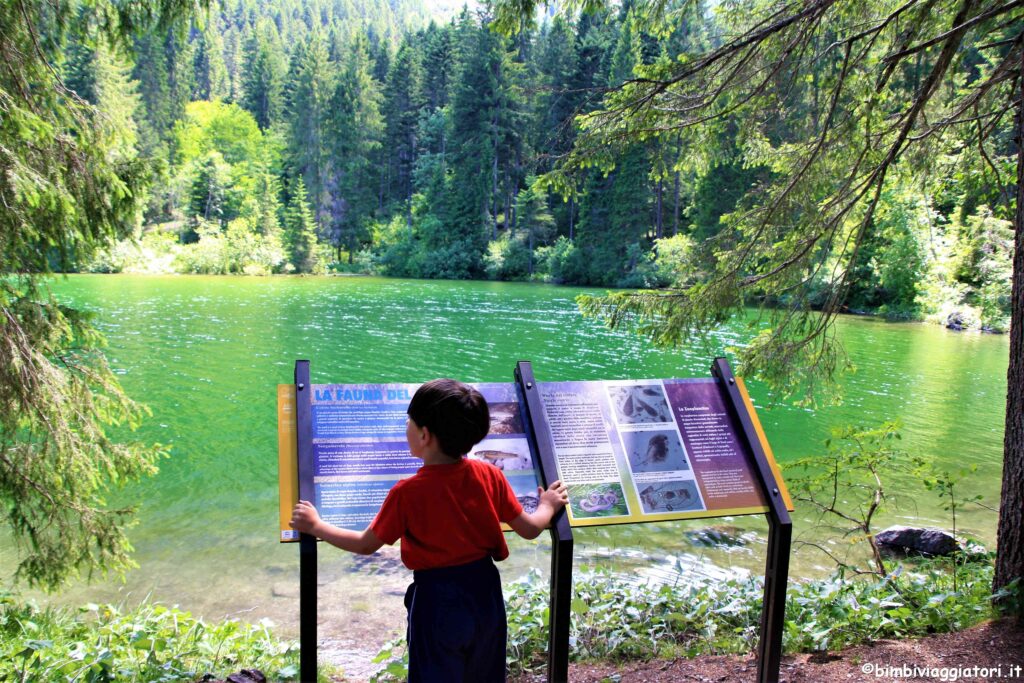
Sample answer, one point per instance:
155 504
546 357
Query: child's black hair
454 412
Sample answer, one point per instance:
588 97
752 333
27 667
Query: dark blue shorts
456 624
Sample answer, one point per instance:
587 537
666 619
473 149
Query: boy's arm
306 519
530 524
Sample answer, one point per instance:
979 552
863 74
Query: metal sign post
559 610
780 533
307 542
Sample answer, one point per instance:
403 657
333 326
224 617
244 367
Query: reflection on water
205 353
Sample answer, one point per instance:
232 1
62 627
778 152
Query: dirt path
990 652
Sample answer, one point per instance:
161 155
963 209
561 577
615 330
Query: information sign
628 450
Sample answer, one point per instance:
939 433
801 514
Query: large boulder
927 541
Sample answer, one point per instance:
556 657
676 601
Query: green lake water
205 354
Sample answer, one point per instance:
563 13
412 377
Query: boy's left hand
304 517
556 495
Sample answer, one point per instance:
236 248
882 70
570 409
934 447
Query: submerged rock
927 541
716 536
243 676
956 321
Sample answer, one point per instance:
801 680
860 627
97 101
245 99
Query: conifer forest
341 136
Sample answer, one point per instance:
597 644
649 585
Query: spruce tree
211 80
262 75
354 130
534 219
402 104
69 190
300 231
308 94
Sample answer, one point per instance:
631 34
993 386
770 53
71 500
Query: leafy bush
155 252
208 255
507 258
455 261
971 277
148 643
615 617
561 262
674 260
399 251
237 249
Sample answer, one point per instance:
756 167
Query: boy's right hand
556 495
304 517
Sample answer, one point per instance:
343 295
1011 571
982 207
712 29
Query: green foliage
561 262
226 129
262 74
982 261
507 258
236 249
969 276
400 254
155 252
674 261
148 643
848 485
808 148
71 186
300 232
618 618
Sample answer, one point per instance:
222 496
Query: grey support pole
307 543
780 533
559 610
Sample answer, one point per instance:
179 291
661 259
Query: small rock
284 590
928 541
247 676
243 676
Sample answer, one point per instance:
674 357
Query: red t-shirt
447 515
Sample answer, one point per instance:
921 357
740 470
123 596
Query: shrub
674 260
155 252
148 643
562 262
507 258
616 617
208 255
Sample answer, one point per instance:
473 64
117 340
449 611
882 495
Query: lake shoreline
865 314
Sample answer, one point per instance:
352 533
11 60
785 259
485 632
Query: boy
448 516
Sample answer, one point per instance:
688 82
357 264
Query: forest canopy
447 149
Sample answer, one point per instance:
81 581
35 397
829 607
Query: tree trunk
529 261
658 226
572 216
675 207
1010 549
